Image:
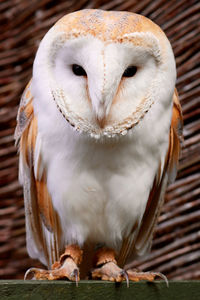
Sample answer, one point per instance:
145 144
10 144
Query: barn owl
99 129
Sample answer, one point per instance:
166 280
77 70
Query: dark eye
130 71
78 70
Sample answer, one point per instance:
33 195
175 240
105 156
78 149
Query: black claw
125 275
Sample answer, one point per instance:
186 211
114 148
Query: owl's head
105 70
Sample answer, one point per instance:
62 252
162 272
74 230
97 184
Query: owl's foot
107 268
66 267
111 272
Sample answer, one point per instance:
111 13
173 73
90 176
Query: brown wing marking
25 112
175 138
42 219
139 240
49 218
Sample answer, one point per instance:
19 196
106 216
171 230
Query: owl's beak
102 90
101 118
101 105
101 109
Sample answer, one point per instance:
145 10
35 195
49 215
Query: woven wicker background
176 246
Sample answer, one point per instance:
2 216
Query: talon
125 274
76 275
163 277
31 270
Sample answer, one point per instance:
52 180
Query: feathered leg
66 267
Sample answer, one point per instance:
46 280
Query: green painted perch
94 290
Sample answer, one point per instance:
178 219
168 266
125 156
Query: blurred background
176 245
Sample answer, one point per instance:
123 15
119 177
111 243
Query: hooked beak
102 102
101 114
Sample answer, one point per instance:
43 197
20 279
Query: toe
109 271
149 276
36 273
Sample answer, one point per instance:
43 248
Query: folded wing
43 231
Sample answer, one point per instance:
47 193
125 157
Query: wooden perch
15 289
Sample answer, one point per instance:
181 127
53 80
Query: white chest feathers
100 188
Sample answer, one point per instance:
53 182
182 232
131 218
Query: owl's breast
100 188
100 191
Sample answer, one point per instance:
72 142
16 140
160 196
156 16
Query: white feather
99 185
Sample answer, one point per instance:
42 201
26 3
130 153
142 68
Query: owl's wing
25 112
42 223
139 240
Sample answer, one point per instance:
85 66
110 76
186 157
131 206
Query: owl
99 129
